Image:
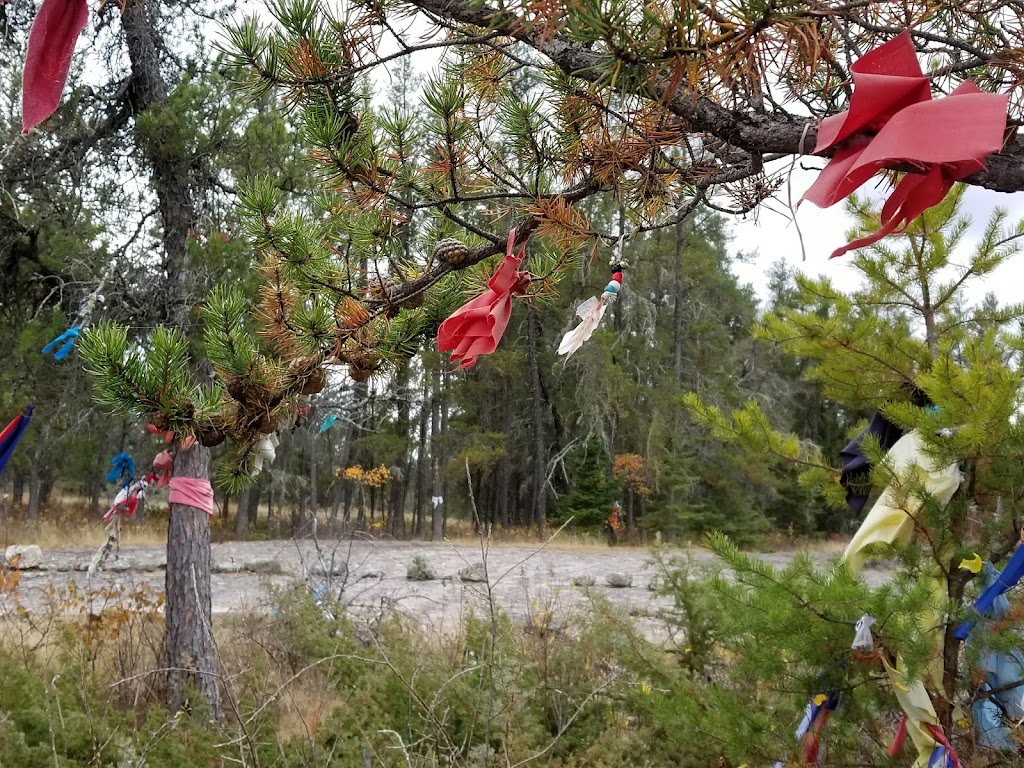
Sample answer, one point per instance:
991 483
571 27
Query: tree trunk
398 481
253 515
18 490
313 499
419 510
505 469
677 308
242 516
188 636
299 509
539 504
189 649
437 509
34 488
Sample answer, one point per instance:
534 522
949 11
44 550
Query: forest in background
540 439
307 220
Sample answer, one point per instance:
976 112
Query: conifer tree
529 113
914 345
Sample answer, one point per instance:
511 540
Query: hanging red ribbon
476 328
899 739
163 465
893 119
186 442
51 44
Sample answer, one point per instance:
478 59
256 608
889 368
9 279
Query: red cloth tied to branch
476 328
51 44
163 466
893 119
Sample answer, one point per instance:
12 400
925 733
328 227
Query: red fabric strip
51 44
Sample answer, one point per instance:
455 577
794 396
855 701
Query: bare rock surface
371 578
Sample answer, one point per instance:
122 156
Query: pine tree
911 328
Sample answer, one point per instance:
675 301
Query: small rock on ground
329 568
473 573
23 556
619 580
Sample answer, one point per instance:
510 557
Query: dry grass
58 534
461 533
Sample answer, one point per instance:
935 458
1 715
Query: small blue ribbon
122 467
328 422
63 343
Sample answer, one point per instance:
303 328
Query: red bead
617 276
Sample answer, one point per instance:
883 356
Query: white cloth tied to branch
862 639
266 452
590 313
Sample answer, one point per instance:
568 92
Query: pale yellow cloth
891 519
917 704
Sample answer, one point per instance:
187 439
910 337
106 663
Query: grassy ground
67 522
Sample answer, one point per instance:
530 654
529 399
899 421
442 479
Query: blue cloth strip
122 468
63 344
1005 581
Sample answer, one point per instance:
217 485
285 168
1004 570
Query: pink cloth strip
193 493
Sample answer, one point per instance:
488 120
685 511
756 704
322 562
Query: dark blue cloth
121 468
855 463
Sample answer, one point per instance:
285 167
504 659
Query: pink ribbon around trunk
192 492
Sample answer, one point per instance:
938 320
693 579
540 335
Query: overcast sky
772 236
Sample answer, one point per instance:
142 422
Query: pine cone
211 437
267 424
244 390
359 373
451 251
236 388
315 382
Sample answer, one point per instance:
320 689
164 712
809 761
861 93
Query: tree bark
399 480
242 515
313 496
629 511
677 308
505 468
188 636
419 508
539 504
437 492
34 489
189 649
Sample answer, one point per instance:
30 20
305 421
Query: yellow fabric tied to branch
917 705
973 564
891 521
